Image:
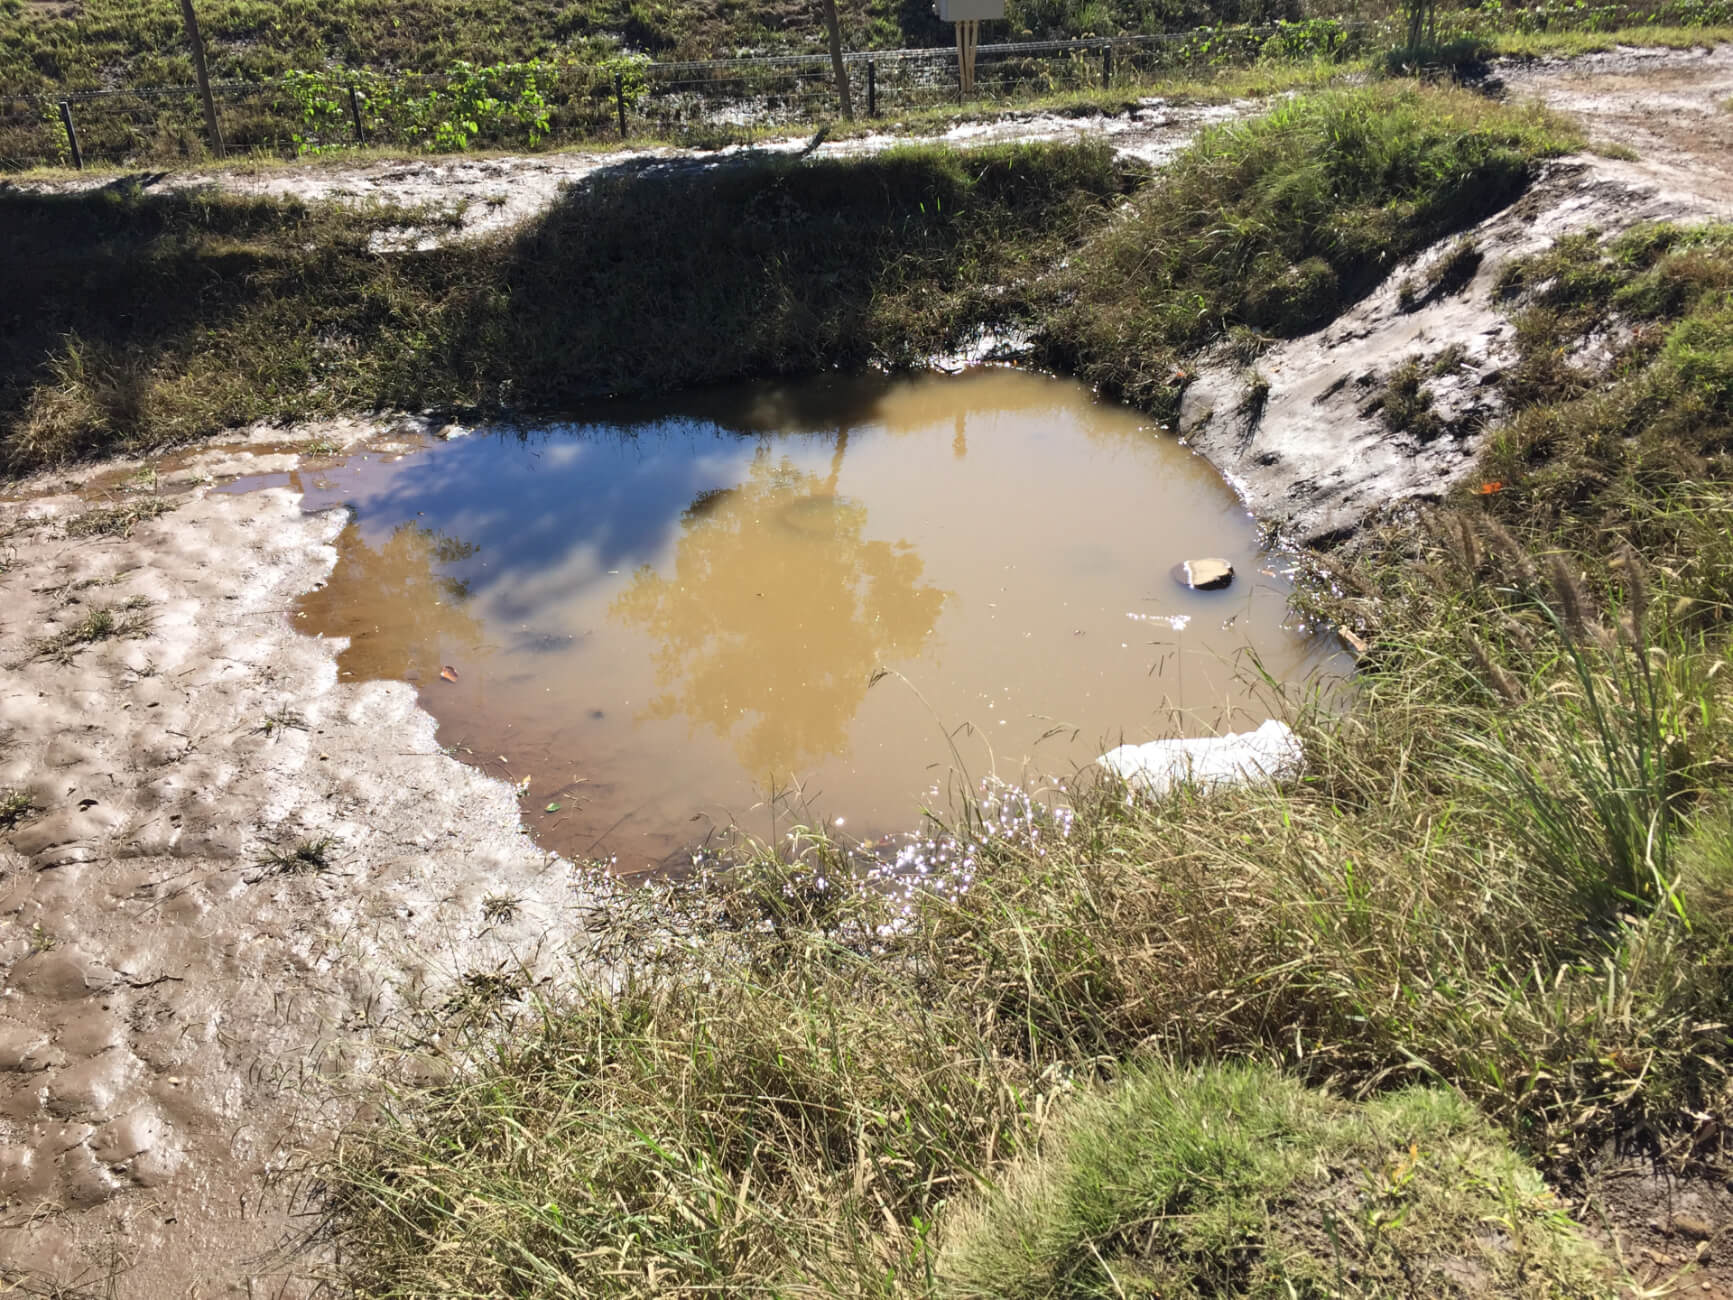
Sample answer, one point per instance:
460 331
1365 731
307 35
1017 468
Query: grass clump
16 806
116 521
99 623
308 856
1237 1181
1279 223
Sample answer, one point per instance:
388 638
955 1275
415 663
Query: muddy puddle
835 601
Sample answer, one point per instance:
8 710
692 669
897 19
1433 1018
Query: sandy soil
179 1013
1317 458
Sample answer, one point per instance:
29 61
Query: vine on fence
501 101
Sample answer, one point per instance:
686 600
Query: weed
41 940
499 908
307 856
279 720
116 521
15 808
100 623
319 445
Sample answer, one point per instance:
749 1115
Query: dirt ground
237 876
491 193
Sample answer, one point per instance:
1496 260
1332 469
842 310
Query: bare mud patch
1311 431
225 876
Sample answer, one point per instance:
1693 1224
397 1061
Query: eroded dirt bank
1308 430
181 989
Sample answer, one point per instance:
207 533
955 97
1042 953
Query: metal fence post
355 115
1106 66
620 101
71 134
872 88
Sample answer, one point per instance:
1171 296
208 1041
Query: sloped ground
212 781
481 195
1307 429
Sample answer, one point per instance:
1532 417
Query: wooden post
355 115
872 88
204 77
833 33
620 101
968 37
71 135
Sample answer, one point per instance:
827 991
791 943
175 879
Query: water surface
833 600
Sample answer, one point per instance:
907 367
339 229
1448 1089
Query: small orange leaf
449 673
1487 489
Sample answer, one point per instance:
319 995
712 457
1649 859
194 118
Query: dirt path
492 193
179 989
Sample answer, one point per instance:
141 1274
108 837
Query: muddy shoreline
185 1000
187 995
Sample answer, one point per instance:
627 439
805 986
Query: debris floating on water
1208 762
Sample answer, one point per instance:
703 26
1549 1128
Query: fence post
1106 67
355 116
190 20
620 101
71 135
872 88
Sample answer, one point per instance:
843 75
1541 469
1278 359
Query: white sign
963 11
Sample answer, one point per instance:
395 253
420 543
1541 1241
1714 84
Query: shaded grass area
1497 909
137 320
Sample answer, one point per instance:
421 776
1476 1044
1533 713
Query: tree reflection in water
402 616
776 614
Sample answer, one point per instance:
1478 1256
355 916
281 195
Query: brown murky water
837 600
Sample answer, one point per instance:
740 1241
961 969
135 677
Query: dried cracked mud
239 877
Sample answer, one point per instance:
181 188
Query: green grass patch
1237 1181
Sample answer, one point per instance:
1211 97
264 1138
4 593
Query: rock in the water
1203 575
1272 751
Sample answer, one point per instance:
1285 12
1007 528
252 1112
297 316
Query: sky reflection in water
663 618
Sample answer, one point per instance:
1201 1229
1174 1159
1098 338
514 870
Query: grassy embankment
1497 910
47 46
1499 907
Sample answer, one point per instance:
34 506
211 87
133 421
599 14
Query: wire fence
564 99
